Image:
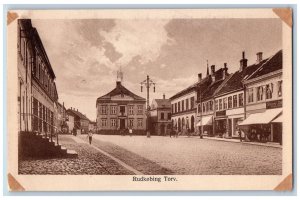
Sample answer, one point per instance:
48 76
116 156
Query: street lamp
148 83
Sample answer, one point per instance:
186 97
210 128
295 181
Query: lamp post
148 83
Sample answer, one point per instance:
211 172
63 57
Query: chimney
199 77
243 62
164 96
118 83
225 71
259 57
213 68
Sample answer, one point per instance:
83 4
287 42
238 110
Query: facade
92 126
160 113
121 109
206 102
37 89
229 100
264 101
70 122
80 122
60 116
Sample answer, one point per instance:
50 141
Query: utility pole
148 83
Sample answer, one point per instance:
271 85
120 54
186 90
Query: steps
38 146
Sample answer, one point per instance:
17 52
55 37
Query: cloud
138 37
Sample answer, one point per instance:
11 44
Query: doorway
122 124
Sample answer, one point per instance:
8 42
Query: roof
78 114
199 85
273 64
163 103
120 89
211 89
234 83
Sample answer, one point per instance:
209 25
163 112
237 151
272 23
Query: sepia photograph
152 100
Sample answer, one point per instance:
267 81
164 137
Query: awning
206 120
262 118
278 119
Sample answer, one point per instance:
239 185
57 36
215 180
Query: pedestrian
130 131
90 136
240 134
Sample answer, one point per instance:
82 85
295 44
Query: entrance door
122 123
229 127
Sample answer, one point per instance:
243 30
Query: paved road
190 156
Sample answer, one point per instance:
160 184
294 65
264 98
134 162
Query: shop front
205 125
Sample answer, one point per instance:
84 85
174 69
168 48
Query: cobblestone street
89 161
159 155
192 155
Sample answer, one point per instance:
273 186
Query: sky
85 54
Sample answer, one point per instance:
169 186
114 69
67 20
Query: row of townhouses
221 104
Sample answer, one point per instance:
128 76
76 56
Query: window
172 108
140 122
279 88
220 104
175 107
216 104
103 110
113 110
182 104
269 91
250 95
241 99
178 105
230 102
234 101
225 103
192 102
203 107
199 108
211 105
187 104
103 122
169 116
259 94
162 116
130 122
140 109
113 122
122 110
130 110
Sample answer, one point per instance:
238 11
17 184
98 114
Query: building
92 126
264 101
37 90
121 109
184 108
206 102
229 100
160 112
60 118
80 121
71 123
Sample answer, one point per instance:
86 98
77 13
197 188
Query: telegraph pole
148 83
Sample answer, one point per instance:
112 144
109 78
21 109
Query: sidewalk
268 144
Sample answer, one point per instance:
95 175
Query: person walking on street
240 134
90 136
130 131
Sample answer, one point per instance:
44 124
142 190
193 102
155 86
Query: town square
177 97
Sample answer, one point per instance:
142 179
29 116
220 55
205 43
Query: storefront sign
274 104
221 113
